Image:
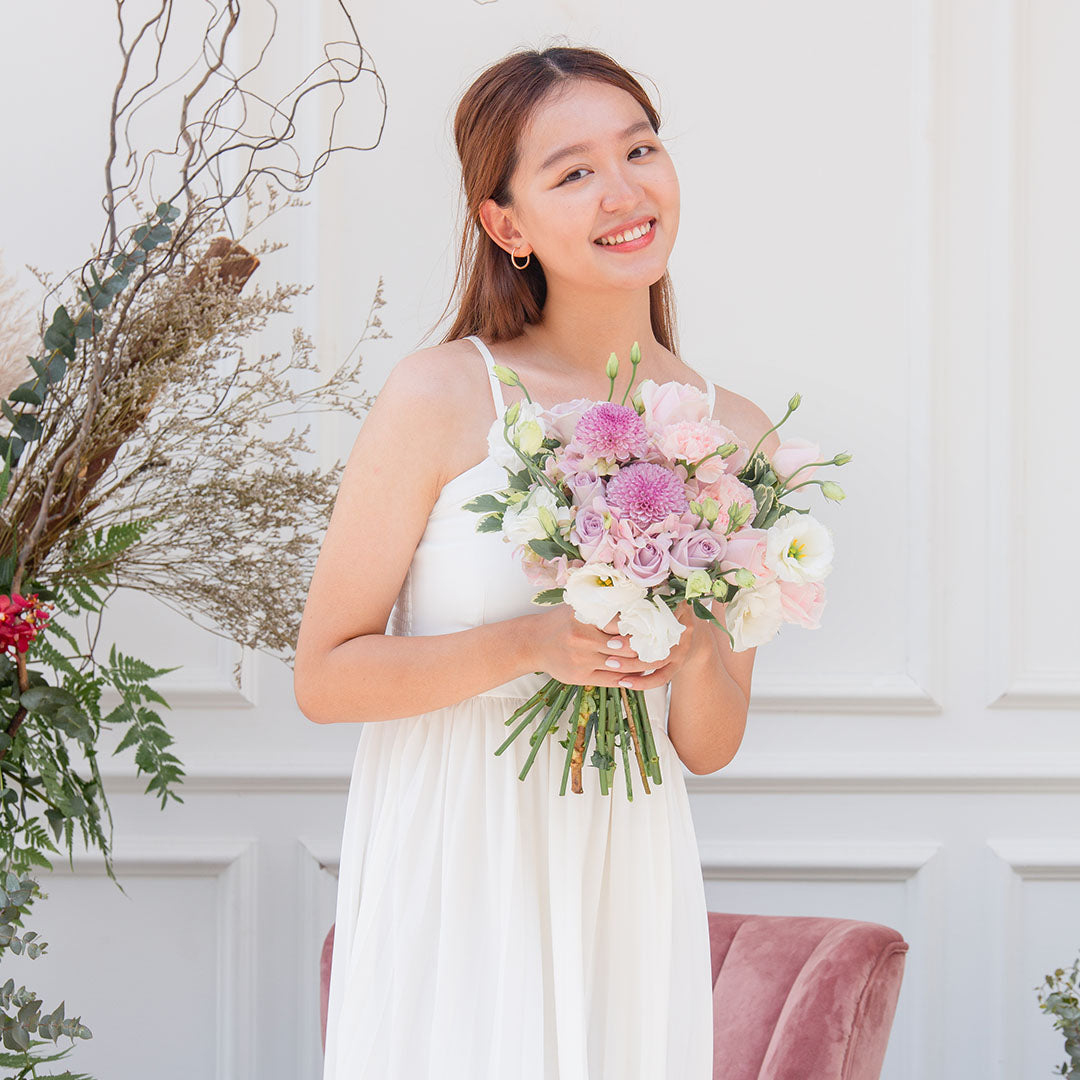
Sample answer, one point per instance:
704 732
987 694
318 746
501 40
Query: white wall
878 211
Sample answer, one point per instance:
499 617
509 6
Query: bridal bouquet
629 510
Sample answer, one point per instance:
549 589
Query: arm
347 668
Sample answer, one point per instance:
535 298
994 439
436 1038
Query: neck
581 329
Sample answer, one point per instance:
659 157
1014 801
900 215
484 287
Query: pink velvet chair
794 997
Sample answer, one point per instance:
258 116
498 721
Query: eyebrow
581 148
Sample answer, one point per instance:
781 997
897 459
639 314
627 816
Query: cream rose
653 628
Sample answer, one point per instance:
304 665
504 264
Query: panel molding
232 861
1012 683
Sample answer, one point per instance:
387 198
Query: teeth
633 234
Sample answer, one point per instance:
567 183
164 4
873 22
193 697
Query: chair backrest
800 996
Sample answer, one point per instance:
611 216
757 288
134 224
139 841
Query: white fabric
488 928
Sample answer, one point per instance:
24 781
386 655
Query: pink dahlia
646 492
613 431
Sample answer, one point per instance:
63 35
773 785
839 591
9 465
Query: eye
642 146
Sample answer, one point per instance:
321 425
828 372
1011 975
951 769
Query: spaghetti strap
496 386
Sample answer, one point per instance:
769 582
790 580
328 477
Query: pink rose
746 548
562 418
792 454
646 560
670 402
802 602
698 550
725 491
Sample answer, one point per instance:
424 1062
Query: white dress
488 928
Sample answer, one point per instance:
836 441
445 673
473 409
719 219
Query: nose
620 190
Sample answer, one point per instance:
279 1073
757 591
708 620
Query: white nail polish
614 643
612 662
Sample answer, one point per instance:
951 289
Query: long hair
496 300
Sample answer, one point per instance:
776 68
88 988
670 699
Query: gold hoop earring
513 259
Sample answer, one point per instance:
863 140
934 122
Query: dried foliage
146 448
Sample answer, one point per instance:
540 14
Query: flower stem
623 732
641 711
545 727
634 736
579 706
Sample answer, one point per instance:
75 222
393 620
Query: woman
488 927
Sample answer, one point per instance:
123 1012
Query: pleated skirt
488 928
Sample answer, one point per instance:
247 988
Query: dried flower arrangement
138 455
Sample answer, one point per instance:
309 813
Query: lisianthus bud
695 508
612 366
506 375
720 589
635 354
547 520
842 458
710 509
698 583
740 513
794 402
529 437
832 491
744 577
512 412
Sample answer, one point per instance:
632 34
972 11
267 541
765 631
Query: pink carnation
646 492
691 440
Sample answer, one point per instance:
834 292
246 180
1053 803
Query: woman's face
615 173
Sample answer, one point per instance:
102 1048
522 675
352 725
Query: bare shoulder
433 399
746 418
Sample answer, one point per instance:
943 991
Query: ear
499 224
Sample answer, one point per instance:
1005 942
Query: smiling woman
489 927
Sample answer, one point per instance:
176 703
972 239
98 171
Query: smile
630 239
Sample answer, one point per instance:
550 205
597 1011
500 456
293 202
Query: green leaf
28 393
484 502
549 596
46 698
547 549
491 523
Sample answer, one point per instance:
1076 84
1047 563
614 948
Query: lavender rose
698 550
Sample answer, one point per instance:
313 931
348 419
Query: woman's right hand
578 653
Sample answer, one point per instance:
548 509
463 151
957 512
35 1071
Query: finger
614 644
625 664
660 674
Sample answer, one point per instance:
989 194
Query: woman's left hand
693 641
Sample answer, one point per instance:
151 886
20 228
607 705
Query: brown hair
497 300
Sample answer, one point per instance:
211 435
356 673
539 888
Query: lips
629 226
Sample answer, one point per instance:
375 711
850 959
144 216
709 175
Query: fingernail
648 671
615 643
612 662
624 682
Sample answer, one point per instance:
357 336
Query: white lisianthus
598 592
521 521
799 548
527 433
653 628
755 615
